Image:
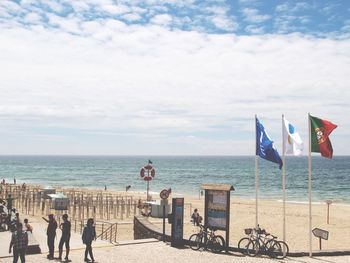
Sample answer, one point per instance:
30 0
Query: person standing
19 242
51 234
65 227
9 200
89 234
28 227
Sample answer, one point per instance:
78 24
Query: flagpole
284 180
256 180
310 188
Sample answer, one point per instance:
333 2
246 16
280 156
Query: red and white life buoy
151 172
142 172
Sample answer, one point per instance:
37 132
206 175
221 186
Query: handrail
112 230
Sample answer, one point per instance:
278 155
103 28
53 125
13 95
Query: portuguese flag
320 131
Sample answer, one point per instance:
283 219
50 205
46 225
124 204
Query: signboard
320 233
164 194
177 222
217 209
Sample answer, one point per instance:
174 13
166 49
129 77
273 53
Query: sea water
186 174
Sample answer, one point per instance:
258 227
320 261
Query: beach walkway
159 252
39 232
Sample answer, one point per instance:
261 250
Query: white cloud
115 9
156 81
132 17
252 15
162 19
224 23
33 18
149 85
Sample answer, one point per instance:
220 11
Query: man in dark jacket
51 234
19 242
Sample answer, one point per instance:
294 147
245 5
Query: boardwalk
158 252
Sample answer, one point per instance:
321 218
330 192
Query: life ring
142 172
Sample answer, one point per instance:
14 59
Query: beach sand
270 218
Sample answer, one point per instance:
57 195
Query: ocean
186 174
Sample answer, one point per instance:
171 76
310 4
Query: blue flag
264 145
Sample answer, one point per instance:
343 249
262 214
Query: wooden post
328 202
128 209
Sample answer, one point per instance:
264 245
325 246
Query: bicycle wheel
242 244
253 248
195 242
284 250
273 248
217 244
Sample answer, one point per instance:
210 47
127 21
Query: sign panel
177 222
164 194
217 209
320 233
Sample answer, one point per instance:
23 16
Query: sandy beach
243 216
297 222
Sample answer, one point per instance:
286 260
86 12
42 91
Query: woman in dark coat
89 234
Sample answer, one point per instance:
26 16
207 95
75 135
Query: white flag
291 140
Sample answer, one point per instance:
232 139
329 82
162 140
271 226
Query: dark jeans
19 253
64 240
51 244
88 249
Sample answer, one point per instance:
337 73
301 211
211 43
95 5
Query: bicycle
207 239
260 241
263 242
243 242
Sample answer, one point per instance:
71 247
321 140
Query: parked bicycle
207 240
258 241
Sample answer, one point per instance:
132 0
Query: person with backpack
89 234
19 242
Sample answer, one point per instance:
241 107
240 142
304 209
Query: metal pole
284 181
310 189
256 183
320 243
147 185
163 223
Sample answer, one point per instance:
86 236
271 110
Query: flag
320 131
264 145
292 143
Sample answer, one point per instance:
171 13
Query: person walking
65 238
51 234
89 234
19 242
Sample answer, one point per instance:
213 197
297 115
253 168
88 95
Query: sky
169 77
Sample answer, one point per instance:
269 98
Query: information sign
177 222
217 209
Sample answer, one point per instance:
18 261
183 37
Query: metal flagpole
256 179
284 179
310 188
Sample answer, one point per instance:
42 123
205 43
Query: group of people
89 234
9 218
19 239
